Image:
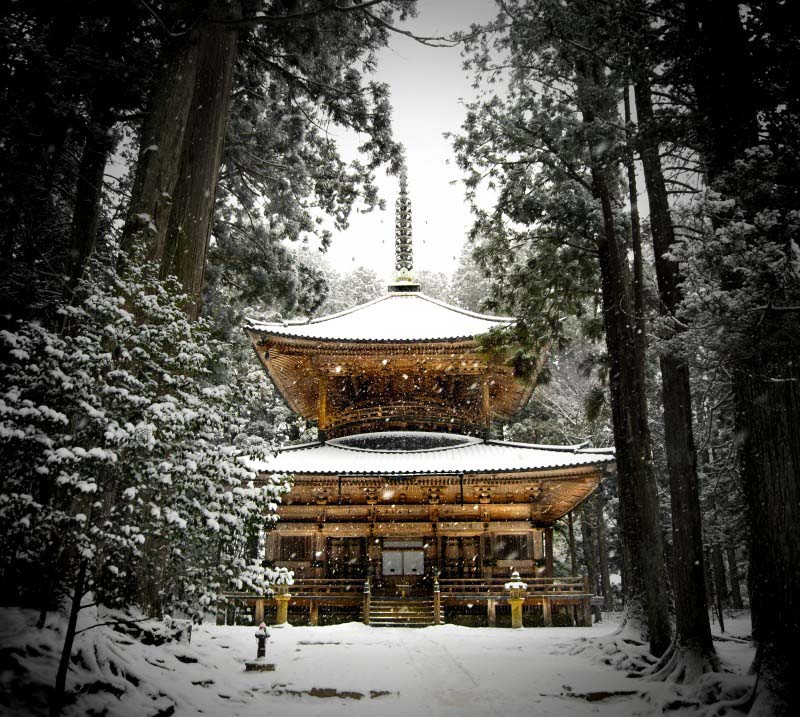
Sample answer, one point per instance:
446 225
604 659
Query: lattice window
511 547
295 547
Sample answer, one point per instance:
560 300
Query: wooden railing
316 592
326 587
494 587
313 587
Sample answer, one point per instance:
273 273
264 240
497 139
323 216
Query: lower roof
349 456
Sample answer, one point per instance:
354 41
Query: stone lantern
260 664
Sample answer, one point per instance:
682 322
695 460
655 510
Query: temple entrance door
461 557
346 558
403 564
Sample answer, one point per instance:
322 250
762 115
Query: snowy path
354 670
351 669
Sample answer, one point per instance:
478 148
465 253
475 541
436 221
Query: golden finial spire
403 251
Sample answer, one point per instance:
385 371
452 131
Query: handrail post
367 600
547 615
437 599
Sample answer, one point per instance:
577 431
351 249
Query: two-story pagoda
404 483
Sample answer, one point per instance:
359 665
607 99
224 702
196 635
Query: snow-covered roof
470 455
401 316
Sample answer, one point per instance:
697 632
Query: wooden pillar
486 409
319 554
322 421
547 615
548 551
437 553
313 613
491 612
282 617
259 615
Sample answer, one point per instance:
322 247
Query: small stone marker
260 664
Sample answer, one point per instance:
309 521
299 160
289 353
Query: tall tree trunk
100 140
636 228
768 410
733 574
647 605
589 552
69 639
693 644
602 549
720 579
766 387
722 78
189 227
647 589
161 143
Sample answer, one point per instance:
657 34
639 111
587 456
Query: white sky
427 88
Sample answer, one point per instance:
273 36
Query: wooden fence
545 592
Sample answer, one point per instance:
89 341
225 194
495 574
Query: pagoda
404 494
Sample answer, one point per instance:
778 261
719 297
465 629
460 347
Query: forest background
129 400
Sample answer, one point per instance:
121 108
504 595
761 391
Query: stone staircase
387 611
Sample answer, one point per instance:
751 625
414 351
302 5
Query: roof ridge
400 450
320 319
297 446
251 322
578 447
460 310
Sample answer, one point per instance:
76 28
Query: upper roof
470 455
395 317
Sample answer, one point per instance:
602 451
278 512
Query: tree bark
733 574
548 551
100 140
766 387
69 639
720 579
768 410
636 228
189 227
602 549
589 552
693 631
647 588
160 146
723 84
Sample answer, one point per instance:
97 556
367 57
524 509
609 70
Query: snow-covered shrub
122 441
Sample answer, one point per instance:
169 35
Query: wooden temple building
404 501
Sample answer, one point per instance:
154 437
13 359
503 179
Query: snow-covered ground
350 669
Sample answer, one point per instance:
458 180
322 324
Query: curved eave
297 386
407 317
534 473
474 458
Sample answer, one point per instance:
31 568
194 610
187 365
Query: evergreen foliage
124 439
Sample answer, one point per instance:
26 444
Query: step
398 611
